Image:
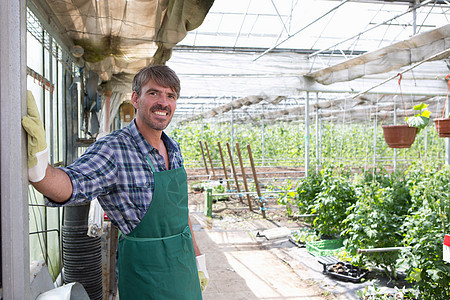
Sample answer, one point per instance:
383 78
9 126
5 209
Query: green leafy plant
197 186
307 190
304 235
331 204
373 292
424 228
375 219
421 119
286 196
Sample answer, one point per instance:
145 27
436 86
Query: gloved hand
202 272
37 146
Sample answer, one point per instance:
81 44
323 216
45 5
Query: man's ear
135 99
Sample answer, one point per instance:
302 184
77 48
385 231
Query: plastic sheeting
120 36
416 49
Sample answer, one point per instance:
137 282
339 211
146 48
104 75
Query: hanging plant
403 136
421 119
443 124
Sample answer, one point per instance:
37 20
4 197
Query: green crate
325 247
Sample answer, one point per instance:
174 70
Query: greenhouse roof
345 54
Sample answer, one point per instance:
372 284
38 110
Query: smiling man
137 175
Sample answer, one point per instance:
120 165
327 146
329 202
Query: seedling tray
346 272
325 247
342 270
298 244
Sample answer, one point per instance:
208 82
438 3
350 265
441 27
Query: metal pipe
263 137
388 249
307 134
395 123
447 141
442 53
358 35
317 133
303 28
305 215
250 193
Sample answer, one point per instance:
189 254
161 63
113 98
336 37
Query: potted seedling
403 136
443 124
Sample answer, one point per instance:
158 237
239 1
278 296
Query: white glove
202 272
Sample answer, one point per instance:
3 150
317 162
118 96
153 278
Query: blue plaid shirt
114 170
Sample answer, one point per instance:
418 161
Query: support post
447 141
317 134
244 176
204 159
208 203
232 128
234 171
224 167
255 178
374 143
307 135
395 149
15 250
263 138
210 161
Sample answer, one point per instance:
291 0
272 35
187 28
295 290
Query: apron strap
150 163
185 232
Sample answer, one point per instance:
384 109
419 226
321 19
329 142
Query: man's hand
202 272
37 146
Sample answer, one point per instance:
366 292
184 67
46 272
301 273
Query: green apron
157 259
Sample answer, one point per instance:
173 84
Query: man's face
155 106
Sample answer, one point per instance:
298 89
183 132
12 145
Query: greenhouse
306 154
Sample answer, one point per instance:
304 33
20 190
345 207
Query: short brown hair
161 75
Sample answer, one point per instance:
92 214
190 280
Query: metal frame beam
13 166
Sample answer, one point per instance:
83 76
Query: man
137 175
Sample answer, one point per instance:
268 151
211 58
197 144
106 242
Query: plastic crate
325 247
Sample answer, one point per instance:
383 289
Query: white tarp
404 53
121 36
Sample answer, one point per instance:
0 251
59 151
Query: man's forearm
56 185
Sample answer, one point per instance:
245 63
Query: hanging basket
399 136
443 126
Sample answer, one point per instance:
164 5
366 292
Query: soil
235 209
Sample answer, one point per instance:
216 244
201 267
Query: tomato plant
331 203
424 229
374 221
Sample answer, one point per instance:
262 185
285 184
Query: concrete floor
240 267
244 266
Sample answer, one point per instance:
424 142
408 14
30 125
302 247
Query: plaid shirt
114 170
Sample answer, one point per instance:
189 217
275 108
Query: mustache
160 107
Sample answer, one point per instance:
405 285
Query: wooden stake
210 161
234 171
244 177
223 165
258 191
203 156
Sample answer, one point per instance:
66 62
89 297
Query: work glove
37 146
202 272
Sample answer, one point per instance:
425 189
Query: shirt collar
145 146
